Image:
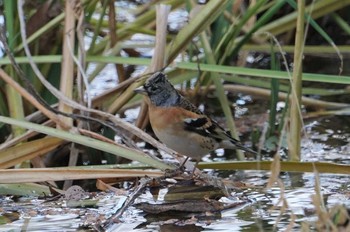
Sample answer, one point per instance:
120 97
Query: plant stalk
295 113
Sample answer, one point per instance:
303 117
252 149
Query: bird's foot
173 172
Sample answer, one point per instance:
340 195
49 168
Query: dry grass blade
296 83
324 221
27 151
285 166
116 149
307 101
67 66
275 171
51 174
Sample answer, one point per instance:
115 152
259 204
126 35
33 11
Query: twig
137 192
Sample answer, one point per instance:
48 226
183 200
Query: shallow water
262 210
256 215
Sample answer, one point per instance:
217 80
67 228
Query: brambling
180 125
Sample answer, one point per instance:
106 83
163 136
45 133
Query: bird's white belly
186 143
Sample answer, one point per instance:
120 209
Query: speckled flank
208 143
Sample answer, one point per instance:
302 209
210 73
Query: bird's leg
194 169
183 163
179 170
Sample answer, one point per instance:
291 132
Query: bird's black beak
140 90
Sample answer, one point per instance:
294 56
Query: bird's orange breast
167 117
168 125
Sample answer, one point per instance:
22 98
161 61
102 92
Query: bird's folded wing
209 128
206 127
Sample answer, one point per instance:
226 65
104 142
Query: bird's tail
235 144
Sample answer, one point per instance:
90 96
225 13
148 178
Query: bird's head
159 90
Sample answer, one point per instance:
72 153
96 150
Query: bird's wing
207 127
198 122
201 124
187 105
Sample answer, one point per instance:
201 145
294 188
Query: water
32 214
264 210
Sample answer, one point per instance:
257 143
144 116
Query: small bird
180 125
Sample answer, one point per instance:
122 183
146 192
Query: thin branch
131 198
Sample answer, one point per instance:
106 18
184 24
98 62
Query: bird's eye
157 80
153 88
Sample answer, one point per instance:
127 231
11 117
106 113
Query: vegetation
53 50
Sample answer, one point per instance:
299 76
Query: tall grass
219 33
